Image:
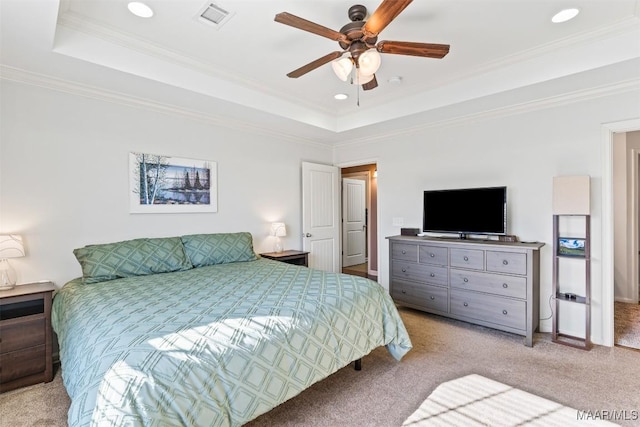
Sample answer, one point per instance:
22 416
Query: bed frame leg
358 365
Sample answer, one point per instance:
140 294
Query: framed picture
571 246
163 184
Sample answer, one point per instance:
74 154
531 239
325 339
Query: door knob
307 235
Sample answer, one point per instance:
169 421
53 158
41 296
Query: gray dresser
490 283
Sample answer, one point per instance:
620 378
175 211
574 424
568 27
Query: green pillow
137 257
222 248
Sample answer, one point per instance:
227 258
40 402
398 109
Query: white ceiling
239 69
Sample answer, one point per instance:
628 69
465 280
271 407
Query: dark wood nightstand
290 257
25 335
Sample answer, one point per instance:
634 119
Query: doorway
626 213
366 223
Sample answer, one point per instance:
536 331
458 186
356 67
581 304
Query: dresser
486 282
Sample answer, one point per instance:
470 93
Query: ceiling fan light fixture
369 62
342 67
363 78
140 9
564 15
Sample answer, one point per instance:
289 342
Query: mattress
215 345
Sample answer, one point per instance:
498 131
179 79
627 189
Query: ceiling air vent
213 14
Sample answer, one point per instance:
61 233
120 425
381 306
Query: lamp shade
342 67
11 246
571 195
278 229
362 78
369 62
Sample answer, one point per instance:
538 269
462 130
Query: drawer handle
504 312
433 275
504 285
466 258
404 270
465 280
404 252
465 304
432 297
432 255
505 262
404 292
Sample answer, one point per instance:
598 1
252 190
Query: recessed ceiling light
396 80
340 96
564 15
140 9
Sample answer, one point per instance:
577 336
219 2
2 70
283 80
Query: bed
199 330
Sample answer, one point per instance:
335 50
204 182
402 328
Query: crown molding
504 111
30 78
22 76
76 22
626 25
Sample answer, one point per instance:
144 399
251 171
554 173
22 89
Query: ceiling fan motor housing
357 12
353 31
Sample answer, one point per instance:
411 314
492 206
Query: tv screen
466 211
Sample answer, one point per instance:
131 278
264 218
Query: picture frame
172 184
572 246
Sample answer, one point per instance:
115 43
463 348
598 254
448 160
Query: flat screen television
466 211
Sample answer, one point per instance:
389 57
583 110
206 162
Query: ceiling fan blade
312 27
314 64
428 50
370 85
382 16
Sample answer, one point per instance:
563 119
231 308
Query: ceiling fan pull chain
358 89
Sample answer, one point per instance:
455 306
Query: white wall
522 151
64 177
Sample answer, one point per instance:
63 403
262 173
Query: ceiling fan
359 39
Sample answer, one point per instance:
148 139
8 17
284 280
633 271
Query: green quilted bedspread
216 345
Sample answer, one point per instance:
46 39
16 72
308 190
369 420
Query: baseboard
626 300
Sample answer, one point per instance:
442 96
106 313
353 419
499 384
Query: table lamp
10 247
278 229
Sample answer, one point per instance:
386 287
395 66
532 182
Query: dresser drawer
489 308
433 255
498 284
507 262
467 258
426 296
422 273
405 252
22 363
18 334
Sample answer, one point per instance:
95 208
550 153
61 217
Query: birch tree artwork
170 184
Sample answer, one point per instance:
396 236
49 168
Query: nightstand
290 257
25 335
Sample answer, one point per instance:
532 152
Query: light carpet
627 324
474 400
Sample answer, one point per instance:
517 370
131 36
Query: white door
321 215
354 228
